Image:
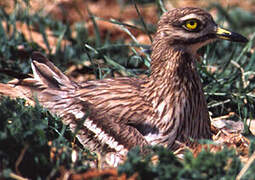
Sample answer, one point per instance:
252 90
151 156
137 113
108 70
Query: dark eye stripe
189 41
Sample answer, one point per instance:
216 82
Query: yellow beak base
231 36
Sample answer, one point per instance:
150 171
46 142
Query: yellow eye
192 24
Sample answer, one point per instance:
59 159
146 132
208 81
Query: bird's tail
48 85
48 75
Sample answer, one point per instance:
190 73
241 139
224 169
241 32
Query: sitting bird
167 108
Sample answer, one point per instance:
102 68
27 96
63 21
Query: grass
37 133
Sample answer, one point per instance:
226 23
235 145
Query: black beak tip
238 38
244 40
235 37
231 36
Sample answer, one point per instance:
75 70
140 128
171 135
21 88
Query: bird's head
192 28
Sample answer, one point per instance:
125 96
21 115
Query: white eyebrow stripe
190 16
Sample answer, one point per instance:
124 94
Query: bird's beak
231 36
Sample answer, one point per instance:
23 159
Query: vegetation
36 145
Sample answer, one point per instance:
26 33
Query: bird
113 115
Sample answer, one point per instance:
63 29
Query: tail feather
47 74
56 90
49 86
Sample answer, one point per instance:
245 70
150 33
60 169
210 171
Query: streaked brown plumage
166 108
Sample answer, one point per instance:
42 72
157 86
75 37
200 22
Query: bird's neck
170 66
168 62
172 69
175 91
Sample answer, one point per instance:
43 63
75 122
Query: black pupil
192 23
